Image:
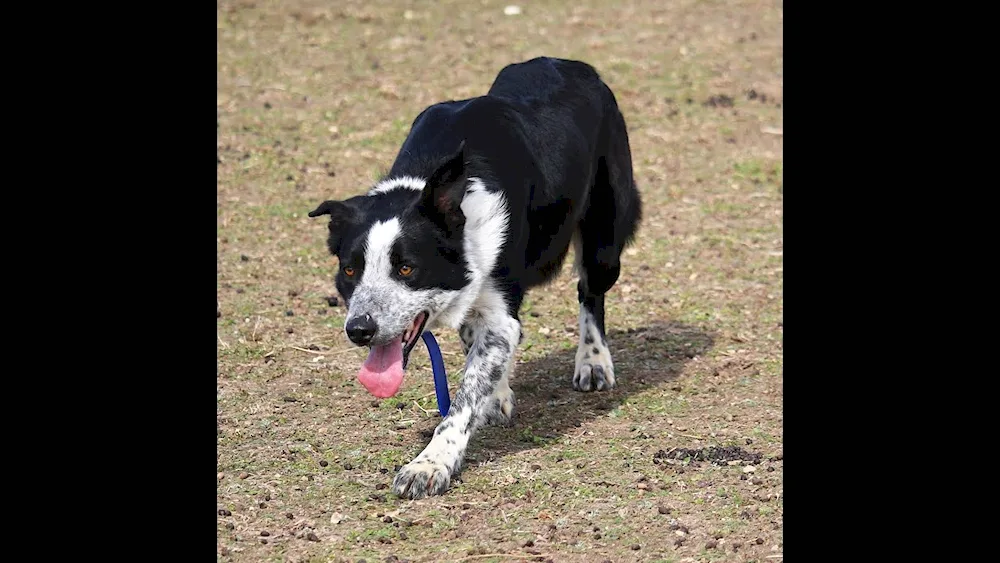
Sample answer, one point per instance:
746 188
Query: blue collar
440 376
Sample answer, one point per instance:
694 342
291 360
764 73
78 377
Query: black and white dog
481 204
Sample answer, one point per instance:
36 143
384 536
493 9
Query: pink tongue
382 372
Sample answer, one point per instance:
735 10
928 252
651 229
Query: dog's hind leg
594 370
608 225
483 397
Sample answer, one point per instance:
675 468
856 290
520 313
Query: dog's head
401 264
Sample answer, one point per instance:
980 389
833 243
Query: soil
717 455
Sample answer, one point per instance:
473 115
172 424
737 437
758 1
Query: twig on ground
324 352
223 342
509 555
692 436
422 408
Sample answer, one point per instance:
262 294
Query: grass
314 99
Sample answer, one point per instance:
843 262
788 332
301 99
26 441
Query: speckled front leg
483 397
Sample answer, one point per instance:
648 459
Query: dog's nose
361 329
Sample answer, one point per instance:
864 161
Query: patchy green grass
313 101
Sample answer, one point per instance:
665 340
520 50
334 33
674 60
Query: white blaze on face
378 294
378 248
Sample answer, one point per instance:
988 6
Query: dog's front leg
484 396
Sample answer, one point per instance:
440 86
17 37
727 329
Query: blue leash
440 376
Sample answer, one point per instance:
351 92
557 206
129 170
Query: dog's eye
349 272
405 270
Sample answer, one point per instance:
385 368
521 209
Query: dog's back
550 135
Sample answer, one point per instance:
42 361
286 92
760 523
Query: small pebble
263 541
289 313
312 537
381 486
224 551
224 512
265 533
244 475
759 541
529 543
289 515
220 476
711 544
323 463
387 519
663 510
636 547
244 258
535 467
597 536
229 525
737 545
348 467
402 535
332 301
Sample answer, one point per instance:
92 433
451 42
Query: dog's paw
421 478
501 408
594 369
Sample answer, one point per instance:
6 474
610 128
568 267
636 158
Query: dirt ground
681 462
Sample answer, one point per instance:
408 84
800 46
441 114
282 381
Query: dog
482 203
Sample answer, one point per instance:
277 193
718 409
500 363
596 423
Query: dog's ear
341 216
442 196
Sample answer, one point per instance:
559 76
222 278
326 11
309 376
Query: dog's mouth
382 372
411 335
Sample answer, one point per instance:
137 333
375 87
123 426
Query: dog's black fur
549 138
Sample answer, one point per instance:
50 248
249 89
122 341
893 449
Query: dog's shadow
548 407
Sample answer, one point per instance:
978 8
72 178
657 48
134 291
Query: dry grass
314 99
